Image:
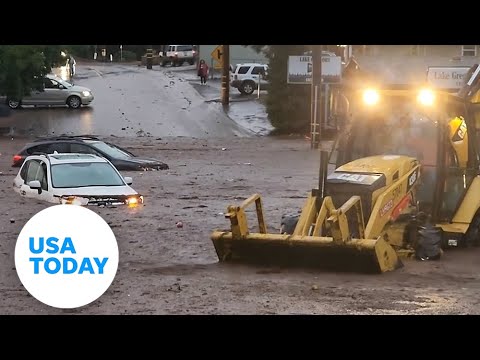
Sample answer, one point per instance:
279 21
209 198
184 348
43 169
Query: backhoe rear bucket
337 252
366 256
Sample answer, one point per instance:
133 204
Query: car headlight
370 97
133 201
86 93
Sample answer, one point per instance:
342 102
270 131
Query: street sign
217 54
447 77
300 69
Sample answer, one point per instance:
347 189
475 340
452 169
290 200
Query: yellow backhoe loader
406 184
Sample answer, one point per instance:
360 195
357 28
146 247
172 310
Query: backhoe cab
406 184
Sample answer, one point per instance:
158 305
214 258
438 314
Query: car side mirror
128 180
35 185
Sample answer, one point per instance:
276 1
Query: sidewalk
247 111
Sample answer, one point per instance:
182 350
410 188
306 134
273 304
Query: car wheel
13 104
248 87
74 102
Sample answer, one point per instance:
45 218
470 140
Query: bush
127 56
288 106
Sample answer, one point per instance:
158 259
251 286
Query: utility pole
316 97
226 75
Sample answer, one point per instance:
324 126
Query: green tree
22 67
288 106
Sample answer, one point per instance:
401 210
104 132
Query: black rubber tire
12 104
74 102
472 236
288 223
248 87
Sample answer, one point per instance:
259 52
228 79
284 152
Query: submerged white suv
245 77
81 179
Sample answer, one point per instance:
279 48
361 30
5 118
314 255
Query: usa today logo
66 256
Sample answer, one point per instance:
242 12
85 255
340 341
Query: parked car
177 55
245 77
122 159
56 91
81 179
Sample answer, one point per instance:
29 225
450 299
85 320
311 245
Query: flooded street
129 101
215 159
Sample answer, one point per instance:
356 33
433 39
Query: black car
120 158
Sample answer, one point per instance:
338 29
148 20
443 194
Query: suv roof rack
68 137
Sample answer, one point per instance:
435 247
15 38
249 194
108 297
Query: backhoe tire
472 237
288 224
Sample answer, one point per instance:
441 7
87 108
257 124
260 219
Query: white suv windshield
74 175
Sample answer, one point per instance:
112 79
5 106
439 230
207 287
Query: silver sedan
56 92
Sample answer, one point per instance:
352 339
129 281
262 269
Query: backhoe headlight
370 97
426 97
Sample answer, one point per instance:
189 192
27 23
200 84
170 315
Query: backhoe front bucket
303 248
369 256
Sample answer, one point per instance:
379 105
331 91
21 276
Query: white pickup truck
177 55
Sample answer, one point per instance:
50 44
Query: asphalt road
129 101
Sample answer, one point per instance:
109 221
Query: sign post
318 71
301 68
221 57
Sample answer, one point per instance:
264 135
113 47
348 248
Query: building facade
238 54
408 64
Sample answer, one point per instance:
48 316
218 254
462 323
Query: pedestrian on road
71 65
203 72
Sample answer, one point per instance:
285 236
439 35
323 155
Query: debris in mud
223 149
188 198
133 241
179 224
161 228
124 128
12 221
314 287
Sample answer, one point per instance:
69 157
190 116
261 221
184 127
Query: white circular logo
66 256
